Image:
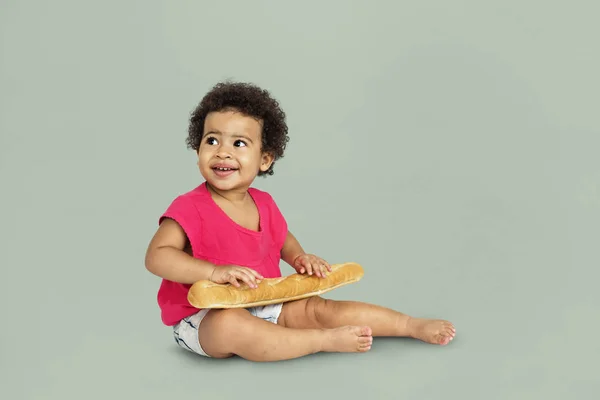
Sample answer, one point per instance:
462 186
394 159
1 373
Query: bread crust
207 294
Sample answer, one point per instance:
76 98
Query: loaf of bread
207 294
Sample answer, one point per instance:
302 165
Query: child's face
231 141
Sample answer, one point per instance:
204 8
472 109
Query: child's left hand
311 264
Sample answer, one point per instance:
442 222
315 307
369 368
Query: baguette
207 294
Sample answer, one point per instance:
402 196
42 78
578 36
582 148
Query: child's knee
219 330
318 309
230 317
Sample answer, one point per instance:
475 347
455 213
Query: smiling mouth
224 169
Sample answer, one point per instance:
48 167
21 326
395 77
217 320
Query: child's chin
224 184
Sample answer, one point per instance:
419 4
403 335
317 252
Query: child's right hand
234 274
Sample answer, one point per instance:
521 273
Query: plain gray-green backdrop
450 147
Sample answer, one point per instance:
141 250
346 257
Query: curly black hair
251 101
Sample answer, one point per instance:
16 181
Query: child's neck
236 196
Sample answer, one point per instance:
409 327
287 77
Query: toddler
226 231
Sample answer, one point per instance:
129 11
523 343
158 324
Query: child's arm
167 259
291 249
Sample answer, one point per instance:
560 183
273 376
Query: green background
450 147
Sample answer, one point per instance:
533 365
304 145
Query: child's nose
223 153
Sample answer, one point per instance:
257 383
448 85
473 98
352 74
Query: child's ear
267 160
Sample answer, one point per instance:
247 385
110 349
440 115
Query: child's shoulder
261 195
191 198
266 200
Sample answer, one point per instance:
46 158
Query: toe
365 331
364 340
439 339
365 347
444 340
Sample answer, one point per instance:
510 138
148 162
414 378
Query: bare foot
348 339
432 331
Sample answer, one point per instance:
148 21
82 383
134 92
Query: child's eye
240 143
209 139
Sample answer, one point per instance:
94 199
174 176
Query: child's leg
223 333
316 312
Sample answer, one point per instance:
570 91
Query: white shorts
186 331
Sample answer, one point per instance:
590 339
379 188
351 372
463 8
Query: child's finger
233 281
302 266
317 270
256 274
309 268
244 276
248 278
324 270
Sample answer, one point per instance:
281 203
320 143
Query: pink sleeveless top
216 238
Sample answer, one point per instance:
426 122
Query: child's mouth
224 171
